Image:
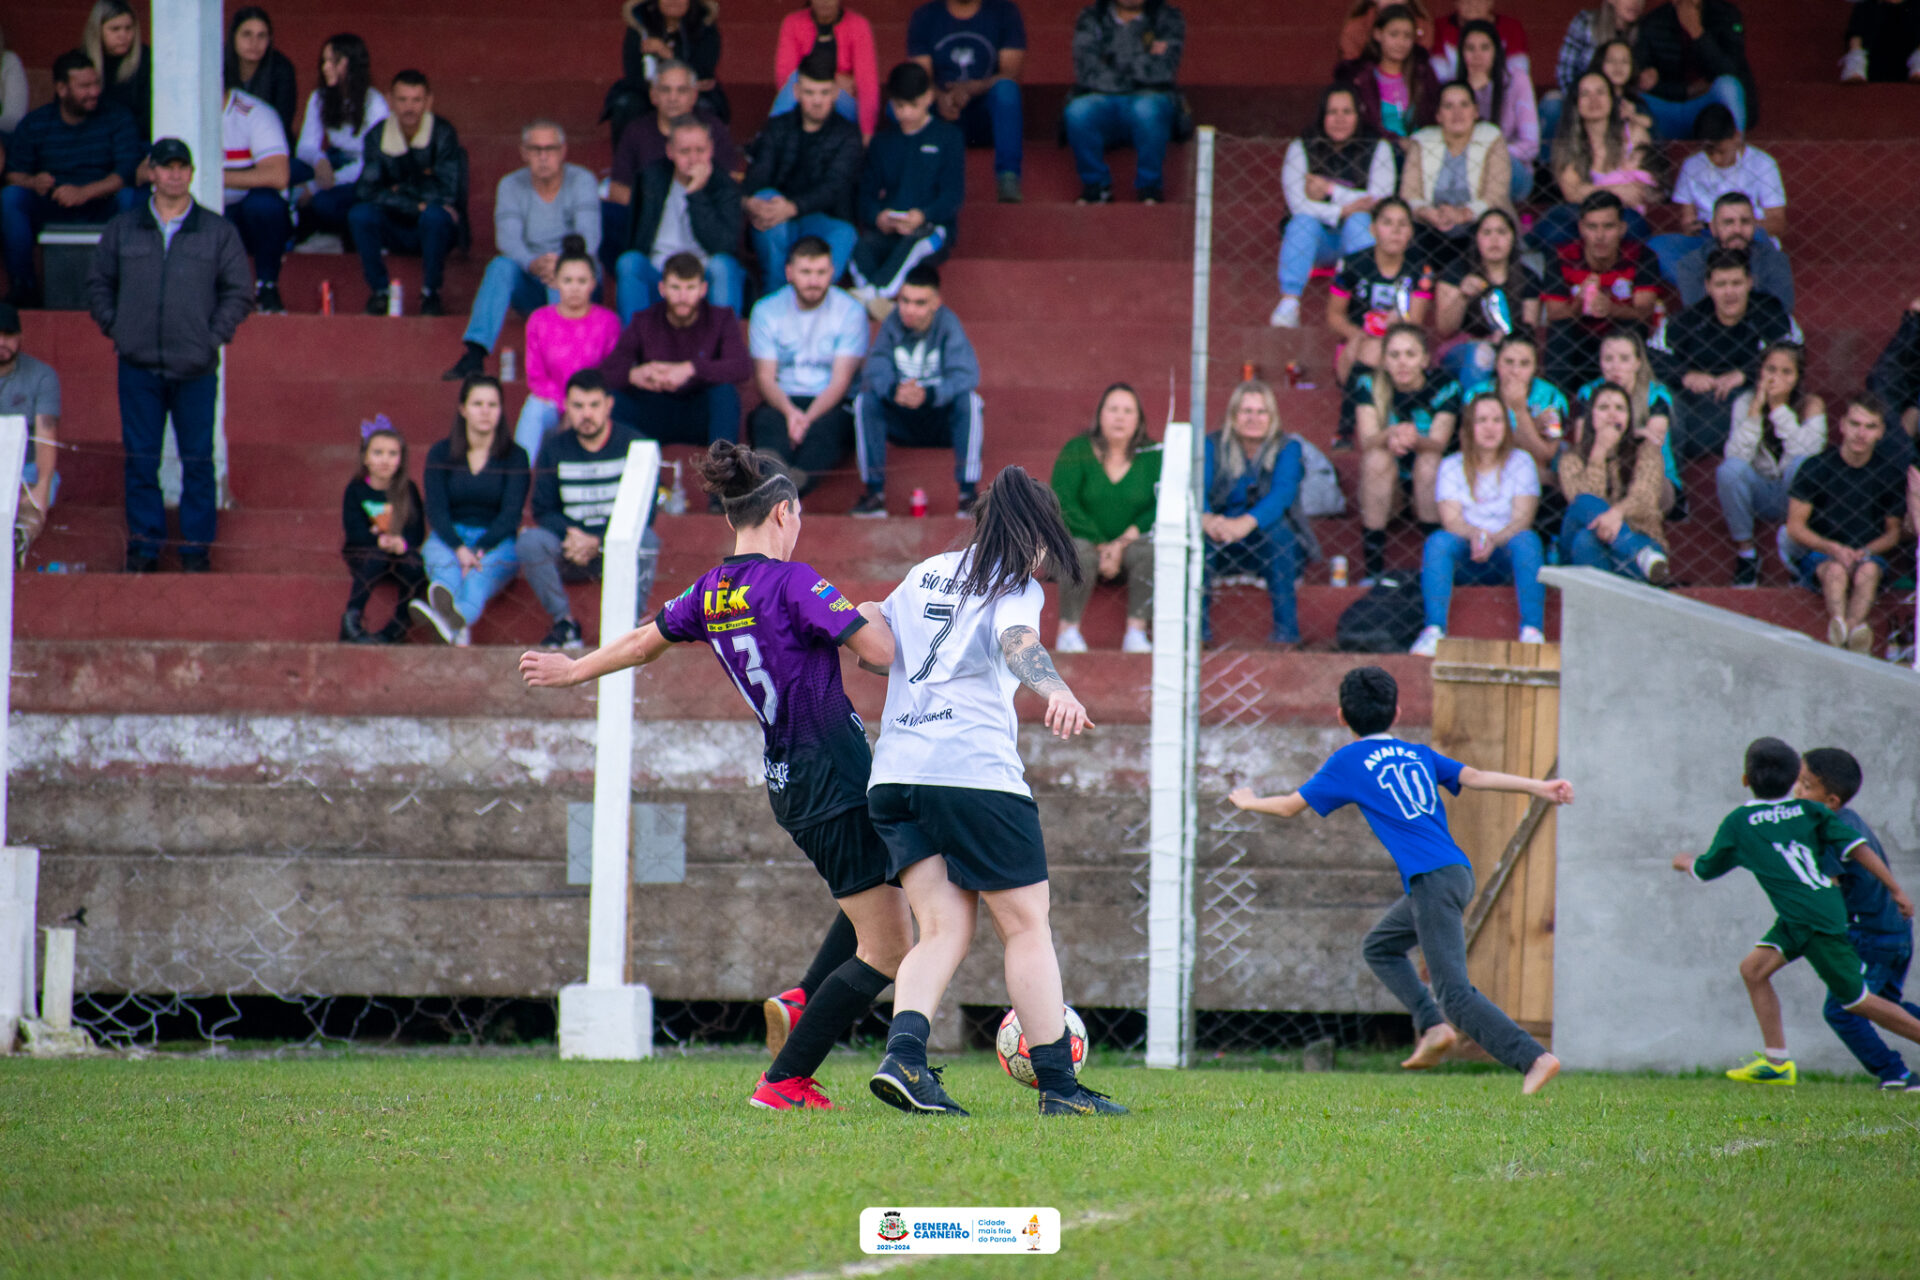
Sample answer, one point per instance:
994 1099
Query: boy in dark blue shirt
911 186
1397 786
976 50
1878 915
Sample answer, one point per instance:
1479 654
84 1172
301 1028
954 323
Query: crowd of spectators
1494 257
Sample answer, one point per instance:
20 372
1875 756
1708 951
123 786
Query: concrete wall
403 855
1659 697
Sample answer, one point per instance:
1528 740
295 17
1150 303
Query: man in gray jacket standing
918 389
170 285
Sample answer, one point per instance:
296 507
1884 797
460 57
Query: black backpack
1387 619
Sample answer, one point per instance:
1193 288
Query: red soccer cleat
782 1012
802 1093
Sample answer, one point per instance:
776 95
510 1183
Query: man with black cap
170 285
30 389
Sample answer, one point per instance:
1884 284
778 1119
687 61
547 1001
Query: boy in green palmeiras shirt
1780 839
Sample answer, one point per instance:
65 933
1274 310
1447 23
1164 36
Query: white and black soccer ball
1010 1045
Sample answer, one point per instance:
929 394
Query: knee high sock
907 1038
835 950
1374 550
841 1000
1053 1065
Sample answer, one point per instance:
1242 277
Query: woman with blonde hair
1105 479
1404 414
1251 482
1488 493
112 43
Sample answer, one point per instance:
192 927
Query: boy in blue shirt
1878 915
1397 786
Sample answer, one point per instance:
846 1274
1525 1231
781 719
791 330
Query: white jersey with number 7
949 720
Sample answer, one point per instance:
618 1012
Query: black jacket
170 309
435 174
714 210
828 183
1721 50
1896 374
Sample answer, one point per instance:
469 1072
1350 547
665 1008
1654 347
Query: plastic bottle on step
919 502
509 365
396 304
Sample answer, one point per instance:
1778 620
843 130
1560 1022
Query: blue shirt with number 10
1397 786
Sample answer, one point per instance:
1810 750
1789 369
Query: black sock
907 1038
842 1000
835 950
477 351
1053 1065
1373 550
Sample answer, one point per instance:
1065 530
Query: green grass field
502 1165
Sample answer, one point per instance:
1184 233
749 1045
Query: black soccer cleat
1082 1102
914 1090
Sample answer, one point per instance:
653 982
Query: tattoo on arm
1027 658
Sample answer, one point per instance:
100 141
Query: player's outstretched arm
1867 860
548 670
1030 663
873 643
1554 790
1683 863
1291 805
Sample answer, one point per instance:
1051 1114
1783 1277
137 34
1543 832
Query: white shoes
1287 314
1853 67
1135 641
1069 640
439 612
1532 635
1652 563
1429 642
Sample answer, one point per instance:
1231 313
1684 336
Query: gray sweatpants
547 571
1431 917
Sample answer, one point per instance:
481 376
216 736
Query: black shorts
847 852
990 839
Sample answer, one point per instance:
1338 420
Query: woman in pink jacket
827 41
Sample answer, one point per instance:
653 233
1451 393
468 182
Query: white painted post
1202 276
608 1017
56 1004
187 97
19 868
1170 809
13 456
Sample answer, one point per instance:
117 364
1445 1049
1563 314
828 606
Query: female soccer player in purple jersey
777 626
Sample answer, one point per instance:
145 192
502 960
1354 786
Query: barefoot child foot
1434 1045
1544 1068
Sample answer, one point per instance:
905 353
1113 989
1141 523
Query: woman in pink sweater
562 339
828 41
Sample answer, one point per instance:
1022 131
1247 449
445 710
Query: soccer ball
1010 1046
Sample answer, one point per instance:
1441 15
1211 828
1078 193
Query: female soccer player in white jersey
949 793
777 626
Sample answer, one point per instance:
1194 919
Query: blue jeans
265 224
1885 957
995 118
789 97
538 418
1308 242
1670 249
1580 545
1745 495
1274 555
639 283
23 212
1096 121
327 208
471 588
1674 120
1449 559
506 284
1561 225
147 398
773 245
431 235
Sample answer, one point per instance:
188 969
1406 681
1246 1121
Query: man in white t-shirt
258 170
1726 165
808 342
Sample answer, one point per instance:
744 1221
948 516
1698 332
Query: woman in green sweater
1105 480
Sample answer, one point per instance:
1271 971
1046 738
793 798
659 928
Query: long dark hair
457 446
1497 74
231 62
749 485
346 102
1017 529
1626 453
1479 263
1140 438
400 488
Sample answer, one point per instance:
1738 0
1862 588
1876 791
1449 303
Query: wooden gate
1496 705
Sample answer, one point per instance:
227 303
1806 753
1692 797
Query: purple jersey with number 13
777 627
